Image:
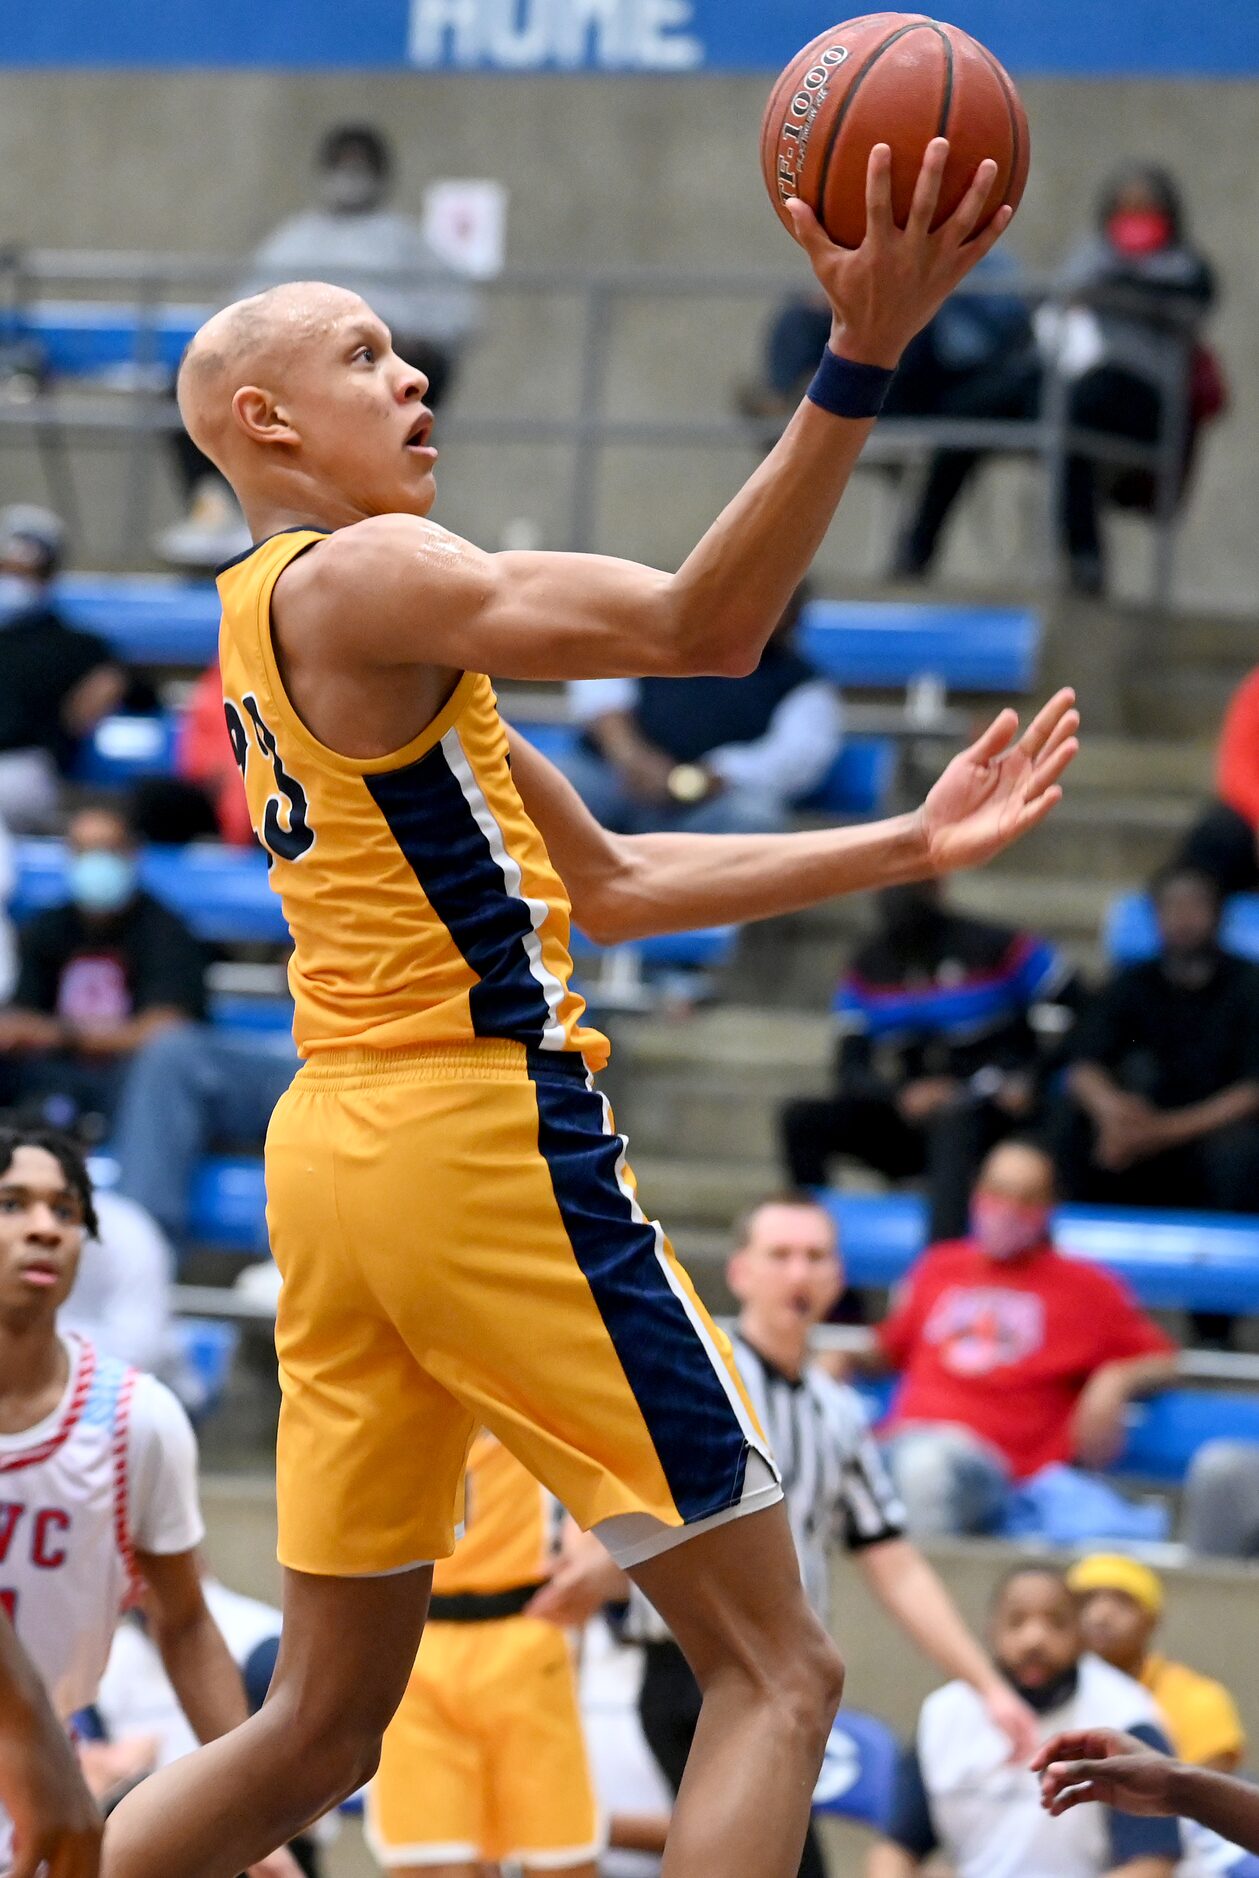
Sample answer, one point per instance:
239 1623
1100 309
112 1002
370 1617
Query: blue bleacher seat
229 1204
1172 1261
252 1017
887 646
1131 932
858 1777
207 1348
92 338
147 619
223 893
858 783
1166 1432
126 749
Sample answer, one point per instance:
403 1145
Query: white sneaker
212 531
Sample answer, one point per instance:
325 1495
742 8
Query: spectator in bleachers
188 1090
99 975
353 236
1163 1103
1138 291
957 1794
56 683
122 1296
204 758
938 1056
708 755
1013 1360
1225 841
1121 1608
972 333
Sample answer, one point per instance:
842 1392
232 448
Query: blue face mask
101 881
18 595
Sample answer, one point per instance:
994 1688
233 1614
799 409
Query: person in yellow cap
1121 1605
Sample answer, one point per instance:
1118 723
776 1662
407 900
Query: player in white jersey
98 1472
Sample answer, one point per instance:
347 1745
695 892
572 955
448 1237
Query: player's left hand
1015 1720
993 793
583 1579
281 1864
1097 1764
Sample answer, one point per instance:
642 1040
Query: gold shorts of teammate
486 1760
461 1244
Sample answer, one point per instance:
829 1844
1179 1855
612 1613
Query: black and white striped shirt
836 1487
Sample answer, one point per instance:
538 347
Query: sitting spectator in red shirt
205 758
1012 1358
1225 842
98 976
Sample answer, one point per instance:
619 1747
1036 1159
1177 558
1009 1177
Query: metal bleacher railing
89 341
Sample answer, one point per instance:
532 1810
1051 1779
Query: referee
786 1273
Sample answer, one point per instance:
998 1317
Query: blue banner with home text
1080 38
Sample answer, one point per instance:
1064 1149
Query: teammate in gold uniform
460 1237
485 1761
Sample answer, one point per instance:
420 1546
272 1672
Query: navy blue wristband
847 389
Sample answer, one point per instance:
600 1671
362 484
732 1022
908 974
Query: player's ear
736 1275
260 417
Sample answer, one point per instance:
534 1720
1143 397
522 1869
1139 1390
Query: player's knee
329 1757
810 1685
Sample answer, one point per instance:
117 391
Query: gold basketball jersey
423 905
510 1526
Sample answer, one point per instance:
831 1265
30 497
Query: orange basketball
899 79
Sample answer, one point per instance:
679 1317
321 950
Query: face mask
18 594
101 881
349 188
1004 1228
1139 231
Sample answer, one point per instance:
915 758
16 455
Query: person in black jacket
56 683
938 1056
98 976
1137 291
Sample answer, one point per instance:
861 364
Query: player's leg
643 1430
771 1680
346 1651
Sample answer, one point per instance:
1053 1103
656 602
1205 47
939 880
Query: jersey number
289 839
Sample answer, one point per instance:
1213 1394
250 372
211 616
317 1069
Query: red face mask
1004 1228
1139 231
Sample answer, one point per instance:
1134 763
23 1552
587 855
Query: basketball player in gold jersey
459 1235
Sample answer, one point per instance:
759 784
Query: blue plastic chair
208 1347
858 1777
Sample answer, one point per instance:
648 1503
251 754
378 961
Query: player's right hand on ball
885 291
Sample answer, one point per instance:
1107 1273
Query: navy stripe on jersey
435 826
694 1426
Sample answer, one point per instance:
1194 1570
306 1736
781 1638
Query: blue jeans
950 1481
187 1091
733 812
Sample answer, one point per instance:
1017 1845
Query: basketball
899 79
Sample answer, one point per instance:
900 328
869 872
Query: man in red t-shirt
1012 1358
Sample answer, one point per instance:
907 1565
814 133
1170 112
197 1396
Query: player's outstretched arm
629 886
1117 1770
56 1826
394 590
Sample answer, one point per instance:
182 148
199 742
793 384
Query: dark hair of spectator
360 140
1025 1568
789 1196
1158 183
1176 871
66 1153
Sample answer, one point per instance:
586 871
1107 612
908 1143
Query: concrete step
1126 766
709 1194
1177 701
